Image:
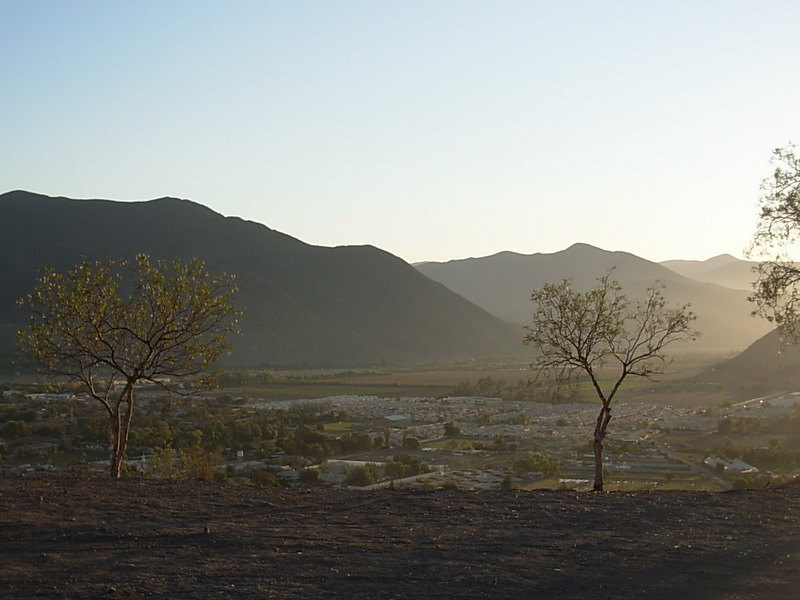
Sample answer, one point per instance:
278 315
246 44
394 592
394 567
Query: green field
339 426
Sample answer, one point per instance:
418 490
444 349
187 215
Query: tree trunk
115 457
121 425
599 435
598 464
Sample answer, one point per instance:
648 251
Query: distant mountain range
304 305
724 270
716 289
352 305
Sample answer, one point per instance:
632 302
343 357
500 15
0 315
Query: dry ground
69 537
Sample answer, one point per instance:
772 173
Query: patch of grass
339 426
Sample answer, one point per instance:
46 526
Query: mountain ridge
305 305
365 305
767 366
724 270
502 284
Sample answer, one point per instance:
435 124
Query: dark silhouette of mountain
502 284
724 270
305 305
768 365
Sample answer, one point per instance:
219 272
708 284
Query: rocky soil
71 537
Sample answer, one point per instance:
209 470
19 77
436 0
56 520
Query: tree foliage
451 430
777 288
362 475
522 391
537 462
310 476
403 465
603 335
111 325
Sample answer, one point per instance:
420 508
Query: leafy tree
523 391
358 441
486 386
411 443
264 477
396 470
362 475
318 451
198 464
538 462
600 333
777 288
310 476
190 438
15 429
164 463
403 465
724 425
452 430
305 441
15 413
111 326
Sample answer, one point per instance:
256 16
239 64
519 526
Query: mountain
502 284
304 305
724 270
767 366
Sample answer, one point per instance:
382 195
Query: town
369 441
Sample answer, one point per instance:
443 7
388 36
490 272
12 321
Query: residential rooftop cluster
470 442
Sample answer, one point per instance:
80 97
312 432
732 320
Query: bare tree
598 332
171 324
777 288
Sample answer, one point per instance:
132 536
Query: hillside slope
502 284
68 537
767 366
305 305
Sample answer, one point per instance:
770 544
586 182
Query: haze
431 129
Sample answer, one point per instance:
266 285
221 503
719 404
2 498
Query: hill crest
502 284
304 305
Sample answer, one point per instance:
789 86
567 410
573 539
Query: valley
313 428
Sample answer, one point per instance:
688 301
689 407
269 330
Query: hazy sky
431 129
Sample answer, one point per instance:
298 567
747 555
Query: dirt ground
71 537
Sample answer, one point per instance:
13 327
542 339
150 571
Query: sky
433 129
